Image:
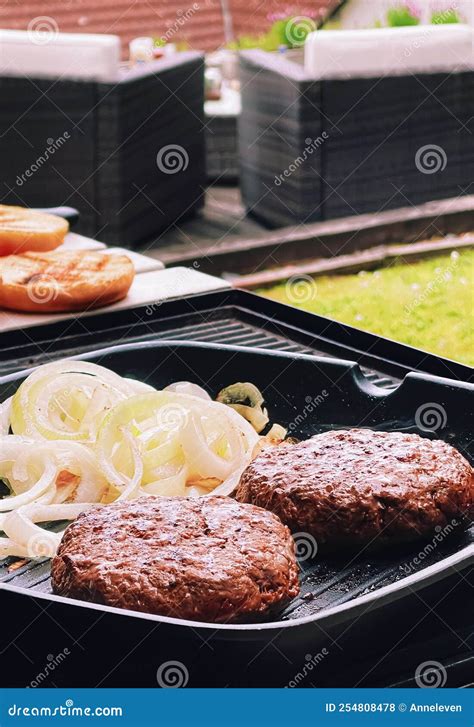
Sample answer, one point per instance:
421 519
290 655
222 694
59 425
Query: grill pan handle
68 213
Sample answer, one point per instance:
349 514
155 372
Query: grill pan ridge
231 317
308 394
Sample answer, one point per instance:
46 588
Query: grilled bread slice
23 229
63 281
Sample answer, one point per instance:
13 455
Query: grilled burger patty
359 486
207 559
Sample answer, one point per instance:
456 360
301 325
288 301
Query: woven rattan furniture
318 149
129 154
222 157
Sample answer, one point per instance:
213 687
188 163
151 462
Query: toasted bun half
63 281
22 229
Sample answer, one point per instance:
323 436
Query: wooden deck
223 240
222 222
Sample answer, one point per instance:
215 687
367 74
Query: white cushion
59 55
389 51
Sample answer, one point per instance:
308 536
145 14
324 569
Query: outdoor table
153 284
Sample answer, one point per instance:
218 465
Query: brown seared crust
362 487
61 281
205 559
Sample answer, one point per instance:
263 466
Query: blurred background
319 152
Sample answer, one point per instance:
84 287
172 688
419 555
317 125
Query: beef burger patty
359 486
207 559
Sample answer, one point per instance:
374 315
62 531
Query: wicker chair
314 149
128 153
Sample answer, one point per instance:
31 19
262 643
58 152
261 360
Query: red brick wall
254 16
202 28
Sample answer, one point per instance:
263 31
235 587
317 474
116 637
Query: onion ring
83 435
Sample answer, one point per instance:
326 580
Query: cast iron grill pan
233 317
309 395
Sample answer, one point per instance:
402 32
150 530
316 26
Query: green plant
446 17
248 42
333 24
402 15
427 304
181 45
290 32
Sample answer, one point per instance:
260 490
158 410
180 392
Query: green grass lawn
427 304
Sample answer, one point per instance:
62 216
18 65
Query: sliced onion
133 484
172 485
156 457
257 417
178 423
26 457
186 387
196 491
229 484
80 460
139 387
84 435
5 410
202 462
31 405
45 482
19 525
9 548
277 433
237 395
